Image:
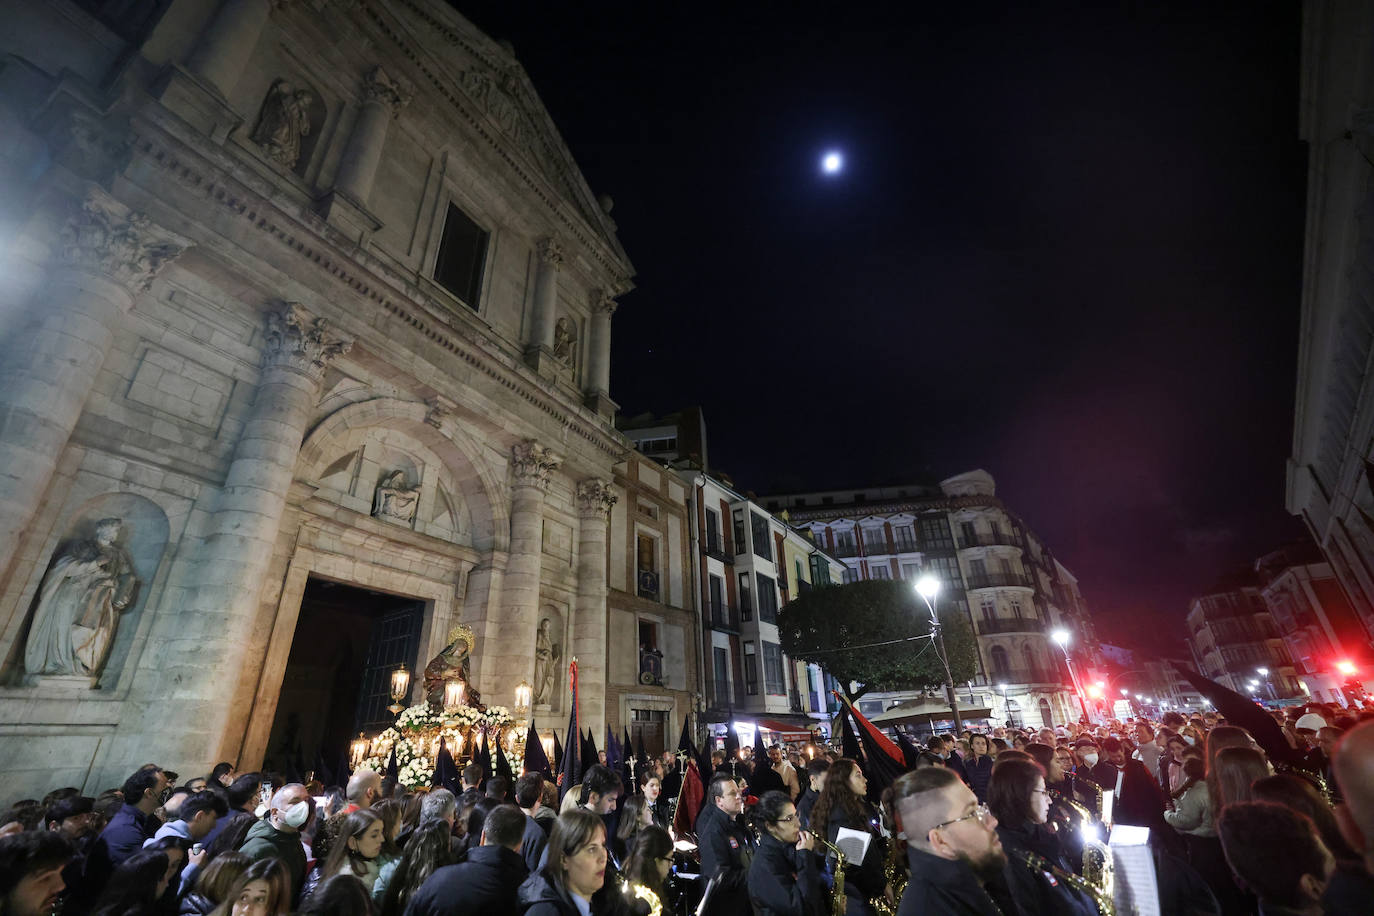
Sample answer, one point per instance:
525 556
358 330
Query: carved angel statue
395 500
546 656
284 121
452 663
79 604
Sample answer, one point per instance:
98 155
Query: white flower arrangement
462 717
497 717
418 718
416 774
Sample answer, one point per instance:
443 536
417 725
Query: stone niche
396 479
552 701
143 535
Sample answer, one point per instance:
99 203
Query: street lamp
1062 637
928 587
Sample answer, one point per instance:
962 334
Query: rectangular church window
462 254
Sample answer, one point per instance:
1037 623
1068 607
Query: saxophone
634 891
837 904
1076 806
1099 874
895 879
1101 894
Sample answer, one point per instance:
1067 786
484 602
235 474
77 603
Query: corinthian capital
296 340
531 464
105 237
595 498
602 302
378 86
550 252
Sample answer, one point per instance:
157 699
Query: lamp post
1062 638
928 587
1268 684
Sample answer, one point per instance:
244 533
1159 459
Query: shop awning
798 730
926 710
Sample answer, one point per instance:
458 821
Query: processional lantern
400 686
523 694
357 750
453 694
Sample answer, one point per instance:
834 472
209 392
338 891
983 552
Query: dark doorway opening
347 642
647 725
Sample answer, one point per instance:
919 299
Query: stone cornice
601 245
863 510
330 253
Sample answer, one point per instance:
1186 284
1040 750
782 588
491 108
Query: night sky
1065 248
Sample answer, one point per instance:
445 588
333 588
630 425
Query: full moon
831 163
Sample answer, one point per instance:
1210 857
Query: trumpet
634 891
837 904
1100 892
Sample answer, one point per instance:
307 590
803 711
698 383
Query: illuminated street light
1262 672
928 587
1062 637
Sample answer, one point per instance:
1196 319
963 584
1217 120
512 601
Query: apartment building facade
1235 642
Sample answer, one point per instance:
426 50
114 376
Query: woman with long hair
391 811
341 895
1191 814
1019 800
844 803
135 885
575 867
647 864
1295 792
978 766
264 889
1234 773
651 787
355 850
213 883
429 849
783 878
634 817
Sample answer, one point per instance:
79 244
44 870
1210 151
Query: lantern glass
522 696
453 694
400 683
357 751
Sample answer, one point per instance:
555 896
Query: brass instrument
837 905
894 878
1101 896
634 891
1099 873
1097 793
1317 779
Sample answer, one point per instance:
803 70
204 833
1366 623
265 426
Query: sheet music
854 844
1135 888
707 894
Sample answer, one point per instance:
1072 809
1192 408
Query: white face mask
297 814
1090 759
1190 739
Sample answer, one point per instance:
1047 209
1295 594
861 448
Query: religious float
451 716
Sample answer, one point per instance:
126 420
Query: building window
844 542
875 540
721 686
1016 608
850 574
935 533
462 255
763 542
772 669
879 571
751 669
978 569
988 608
946 569
646 550
740 542
911 571
969 534
746 598
768 599
1000 663
905 536
713 540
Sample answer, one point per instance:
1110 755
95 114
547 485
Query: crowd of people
987 822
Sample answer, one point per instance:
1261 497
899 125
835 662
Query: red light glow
1345 668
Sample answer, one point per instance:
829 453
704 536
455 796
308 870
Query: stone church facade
292 291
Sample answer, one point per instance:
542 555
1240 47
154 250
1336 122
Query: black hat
74 806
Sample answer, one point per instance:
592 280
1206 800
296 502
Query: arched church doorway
347 642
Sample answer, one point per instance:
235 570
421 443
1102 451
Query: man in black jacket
816 768
1136 798
726 848
485 884
957 864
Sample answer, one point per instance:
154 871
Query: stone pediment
488 83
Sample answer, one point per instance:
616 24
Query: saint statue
284 121
394 500
79 604
452 664
564 337
546 655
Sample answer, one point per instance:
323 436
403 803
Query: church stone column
227 42
383 99
590 619
599 362
50 357
550 254
221 588
531 464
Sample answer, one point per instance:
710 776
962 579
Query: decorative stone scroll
531 464
550 252
296 340
595 498
438 410
105 237
602 302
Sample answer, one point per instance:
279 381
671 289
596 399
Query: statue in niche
394 501
79 604
284 121
564 340
546 656
452 663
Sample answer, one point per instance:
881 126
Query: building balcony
795 701
716 548
990 539
721 616
998 580
877 549
840 551
1010 625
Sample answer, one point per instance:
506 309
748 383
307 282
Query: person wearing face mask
278 834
